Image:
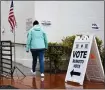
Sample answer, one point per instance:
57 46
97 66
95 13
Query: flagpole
14 49
13 24
15 57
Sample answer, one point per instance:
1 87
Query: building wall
70 17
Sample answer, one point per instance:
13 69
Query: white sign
46 23
83 46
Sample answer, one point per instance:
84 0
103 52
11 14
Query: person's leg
34 62
41 60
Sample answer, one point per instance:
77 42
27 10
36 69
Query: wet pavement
50 81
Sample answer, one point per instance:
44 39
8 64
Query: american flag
11 17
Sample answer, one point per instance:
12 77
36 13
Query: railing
104 65
6 58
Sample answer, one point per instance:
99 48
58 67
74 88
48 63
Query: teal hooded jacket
36 38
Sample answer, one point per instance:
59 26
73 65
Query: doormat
7 87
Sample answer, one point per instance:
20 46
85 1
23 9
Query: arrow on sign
75 73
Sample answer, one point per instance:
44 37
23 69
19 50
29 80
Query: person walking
37 43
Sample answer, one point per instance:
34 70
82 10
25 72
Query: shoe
42 74
42 79
34 73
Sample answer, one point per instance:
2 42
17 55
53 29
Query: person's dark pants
40 54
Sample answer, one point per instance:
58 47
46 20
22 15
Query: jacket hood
37 27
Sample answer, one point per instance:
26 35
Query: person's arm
45 40
28 41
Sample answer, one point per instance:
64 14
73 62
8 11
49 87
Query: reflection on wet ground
50 81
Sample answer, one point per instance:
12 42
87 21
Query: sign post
84 50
